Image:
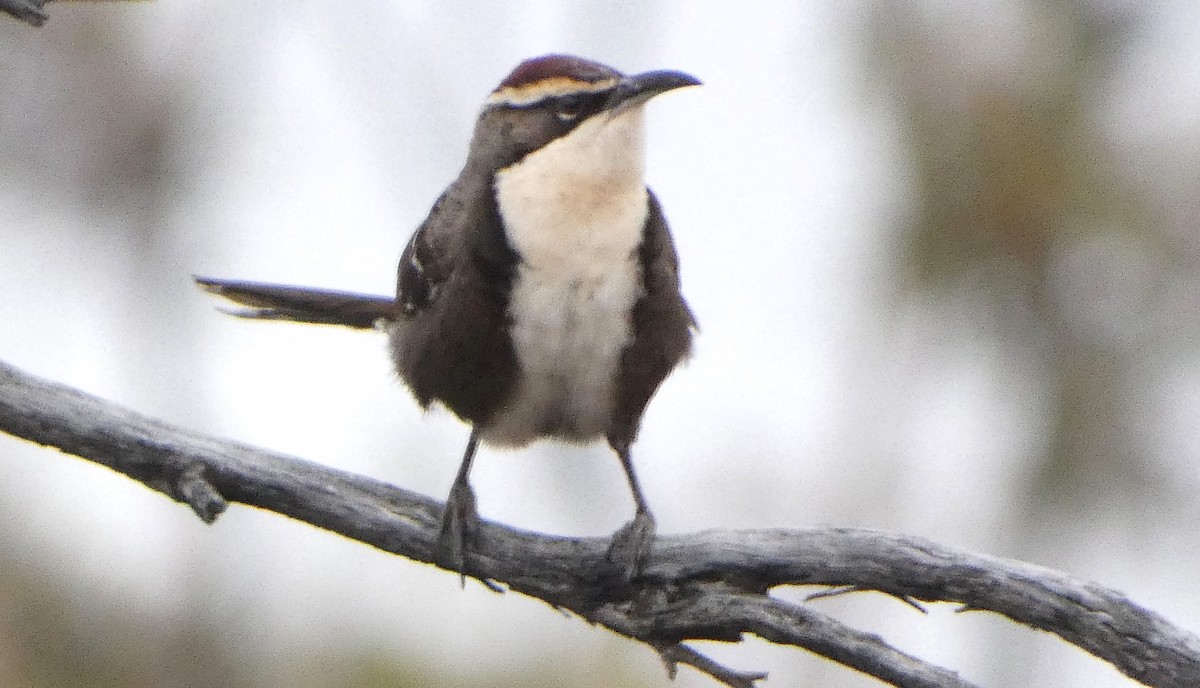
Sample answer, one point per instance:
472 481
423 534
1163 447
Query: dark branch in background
29 11
704 586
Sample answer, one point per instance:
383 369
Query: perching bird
540 298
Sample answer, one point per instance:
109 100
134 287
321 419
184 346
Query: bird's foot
629 547
459 530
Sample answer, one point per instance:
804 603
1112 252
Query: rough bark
712 585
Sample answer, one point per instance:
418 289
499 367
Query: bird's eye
568 109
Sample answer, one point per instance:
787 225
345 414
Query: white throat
574 211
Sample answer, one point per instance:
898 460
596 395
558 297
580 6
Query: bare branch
704 586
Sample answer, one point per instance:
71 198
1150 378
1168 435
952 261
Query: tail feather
302 304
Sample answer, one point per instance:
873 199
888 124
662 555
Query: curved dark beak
637 89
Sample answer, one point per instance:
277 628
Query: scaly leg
460 520
631 544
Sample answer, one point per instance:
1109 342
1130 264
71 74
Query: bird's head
555 97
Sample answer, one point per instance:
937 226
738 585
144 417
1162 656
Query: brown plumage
526 303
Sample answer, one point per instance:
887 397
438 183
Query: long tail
302 304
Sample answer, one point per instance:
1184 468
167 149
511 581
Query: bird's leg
460 520
630 545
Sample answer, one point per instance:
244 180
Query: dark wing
662 328
302 304
451 342
420 271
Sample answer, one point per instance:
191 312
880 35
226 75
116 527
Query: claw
630 546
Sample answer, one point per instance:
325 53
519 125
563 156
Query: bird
540 298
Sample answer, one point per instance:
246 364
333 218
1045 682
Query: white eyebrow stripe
528 94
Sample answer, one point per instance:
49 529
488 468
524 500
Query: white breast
574 211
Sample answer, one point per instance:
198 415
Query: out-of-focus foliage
1028 203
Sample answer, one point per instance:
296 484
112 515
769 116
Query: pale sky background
302 141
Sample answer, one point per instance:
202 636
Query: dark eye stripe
581 103
577 106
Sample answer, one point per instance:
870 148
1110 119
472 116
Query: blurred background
944 256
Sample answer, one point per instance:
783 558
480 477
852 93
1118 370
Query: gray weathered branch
704 586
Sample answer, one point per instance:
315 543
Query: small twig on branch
674 655
704 586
